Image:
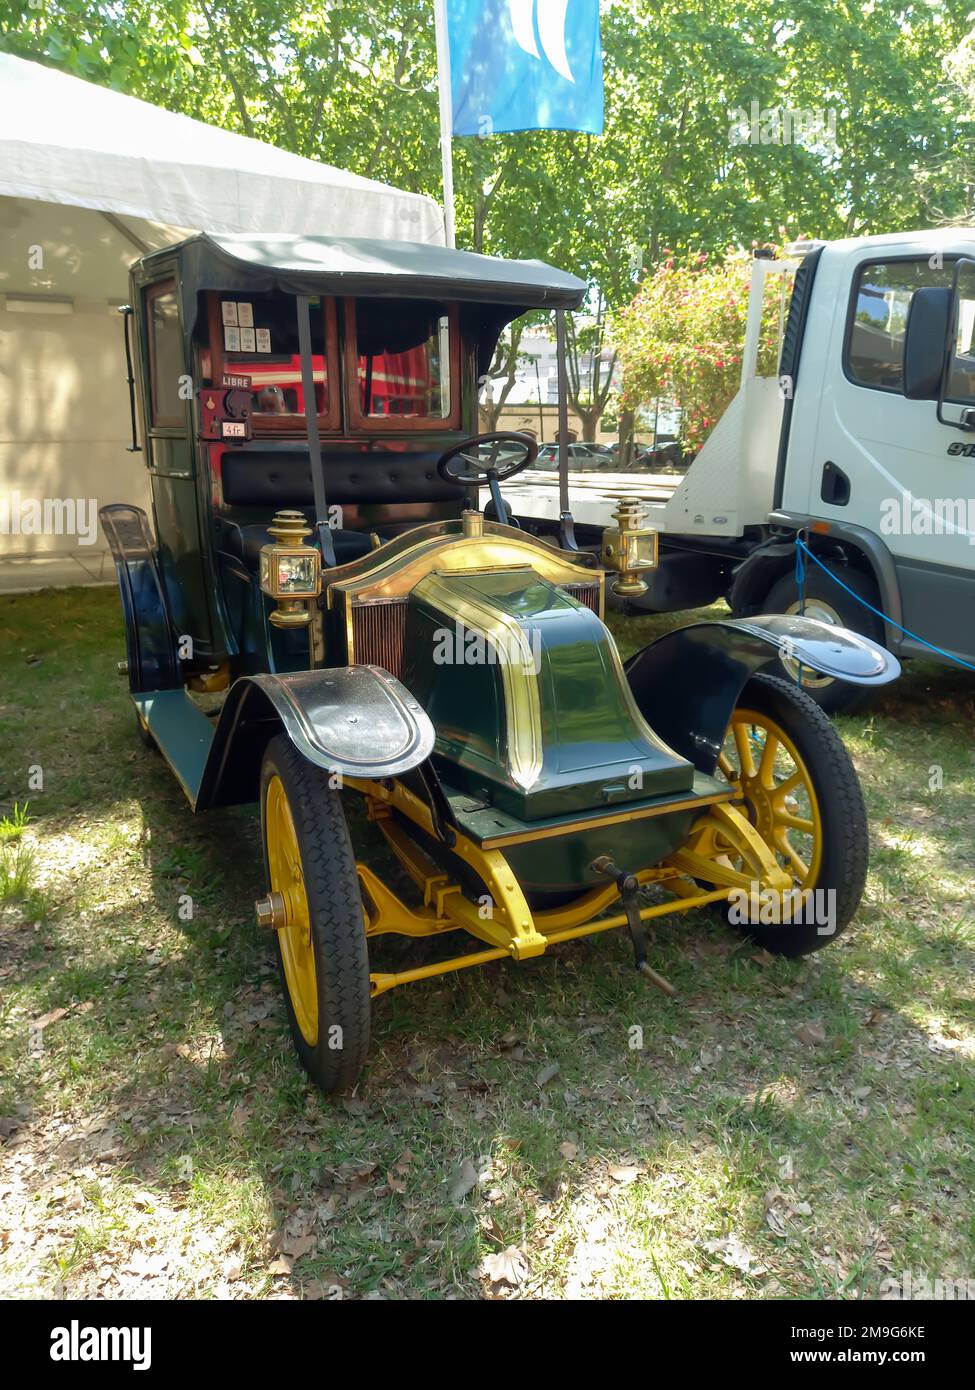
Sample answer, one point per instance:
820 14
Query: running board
182 733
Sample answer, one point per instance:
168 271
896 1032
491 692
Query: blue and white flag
525 65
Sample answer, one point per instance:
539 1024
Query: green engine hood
528 698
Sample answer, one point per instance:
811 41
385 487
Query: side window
882 295
961 385
166 364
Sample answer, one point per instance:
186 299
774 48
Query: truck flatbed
592 495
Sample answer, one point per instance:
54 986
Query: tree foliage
681 339
353 83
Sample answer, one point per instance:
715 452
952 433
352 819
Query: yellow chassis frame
722 848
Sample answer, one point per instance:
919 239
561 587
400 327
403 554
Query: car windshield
402 359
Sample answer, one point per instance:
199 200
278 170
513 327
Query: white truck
863 445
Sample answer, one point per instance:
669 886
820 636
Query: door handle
835 486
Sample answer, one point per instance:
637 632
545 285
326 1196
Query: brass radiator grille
587 593
379 627
379 634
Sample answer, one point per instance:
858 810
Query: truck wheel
802 794
319 922
827 602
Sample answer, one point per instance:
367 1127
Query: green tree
682 337
354 84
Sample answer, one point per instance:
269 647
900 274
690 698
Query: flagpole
443 82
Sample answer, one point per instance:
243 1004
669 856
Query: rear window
256 341
882 295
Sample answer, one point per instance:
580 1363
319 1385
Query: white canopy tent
89 181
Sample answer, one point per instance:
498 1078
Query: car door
886 463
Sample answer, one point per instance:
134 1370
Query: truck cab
862 445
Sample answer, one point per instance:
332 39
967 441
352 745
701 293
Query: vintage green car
316 553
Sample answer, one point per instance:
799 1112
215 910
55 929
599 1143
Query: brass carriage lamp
291 571
629 548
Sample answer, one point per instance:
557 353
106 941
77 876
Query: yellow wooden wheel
800 791
314 908
780 796
294 938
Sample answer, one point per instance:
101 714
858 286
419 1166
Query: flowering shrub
683 335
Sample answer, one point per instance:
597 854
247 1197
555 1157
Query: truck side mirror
925 340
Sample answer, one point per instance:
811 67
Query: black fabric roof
342 266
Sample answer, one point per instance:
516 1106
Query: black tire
843 816
335 1059
833 696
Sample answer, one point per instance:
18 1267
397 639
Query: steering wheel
481 464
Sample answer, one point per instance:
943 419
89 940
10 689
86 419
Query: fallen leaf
296 1246
547 1074
625 1173
330 1287
46 1020
463 1181
732 1253
812 1034
506 1267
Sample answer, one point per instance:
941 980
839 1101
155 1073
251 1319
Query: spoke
798 865
745 760
794 780
726 768
766 767
791 822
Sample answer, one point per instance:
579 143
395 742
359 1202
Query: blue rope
803 549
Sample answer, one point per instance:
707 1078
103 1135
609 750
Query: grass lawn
798 1130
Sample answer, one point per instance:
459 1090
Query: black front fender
358 721
687 682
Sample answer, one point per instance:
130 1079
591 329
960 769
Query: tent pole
446 150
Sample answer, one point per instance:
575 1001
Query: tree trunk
589 419
627 425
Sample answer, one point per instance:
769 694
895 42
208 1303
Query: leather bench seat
245 543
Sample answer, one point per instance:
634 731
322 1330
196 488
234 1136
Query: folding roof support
314 439
567 535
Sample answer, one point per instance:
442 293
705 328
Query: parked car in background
666 454
580 456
